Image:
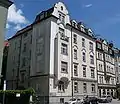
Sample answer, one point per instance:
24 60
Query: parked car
90 100
105 99
74 101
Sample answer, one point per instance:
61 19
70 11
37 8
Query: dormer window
82 28
90 32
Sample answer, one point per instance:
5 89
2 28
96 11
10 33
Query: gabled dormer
74 23
61 12
90 32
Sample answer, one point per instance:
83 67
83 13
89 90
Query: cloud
18 27
88 5
21 5
16 15
7 26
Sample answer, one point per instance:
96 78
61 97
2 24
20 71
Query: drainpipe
18 69
71 63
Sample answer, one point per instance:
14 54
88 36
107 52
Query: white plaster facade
4 4
51 68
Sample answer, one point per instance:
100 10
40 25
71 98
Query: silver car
105 99
74 101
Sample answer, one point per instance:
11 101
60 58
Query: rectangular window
64 66
75 54
75 70
93 87
84 71
91 46
84 87
61 18
62 32
64 49
23 61
24 47
91 59
22 77
83 42
92 73
84 57
75 38
75 87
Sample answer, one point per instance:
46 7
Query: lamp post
4 88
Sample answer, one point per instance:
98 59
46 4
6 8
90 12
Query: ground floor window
75 87
93 87
104 92
61 86
62 100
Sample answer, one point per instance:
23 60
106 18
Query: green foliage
29 91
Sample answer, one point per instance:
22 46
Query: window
84 71
107 69
75 87
22 77
93 87
75 70
83 42
84 87
101 67
61 87
84 57
24 47
91 46
108 92
101 79
91 59
75 54
62 32
64 49
112 80
25 35
64 66
92 73
98 55
62 18
99 45
23 61
75 38
61 101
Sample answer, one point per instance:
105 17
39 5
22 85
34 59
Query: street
114 101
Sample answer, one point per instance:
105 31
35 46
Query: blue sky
103 16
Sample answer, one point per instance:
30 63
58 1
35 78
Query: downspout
18 69
71 63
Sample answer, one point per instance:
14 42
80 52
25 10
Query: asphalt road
114 101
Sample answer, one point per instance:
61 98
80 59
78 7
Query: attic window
61 7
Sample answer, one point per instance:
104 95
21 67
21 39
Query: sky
102 16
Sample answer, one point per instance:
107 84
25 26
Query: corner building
56 56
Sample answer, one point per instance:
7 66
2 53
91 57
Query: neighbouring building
117 65
54 55
105 68
4 5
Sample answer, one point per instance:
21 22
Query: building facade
117 65
4 4
105 68
54 55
